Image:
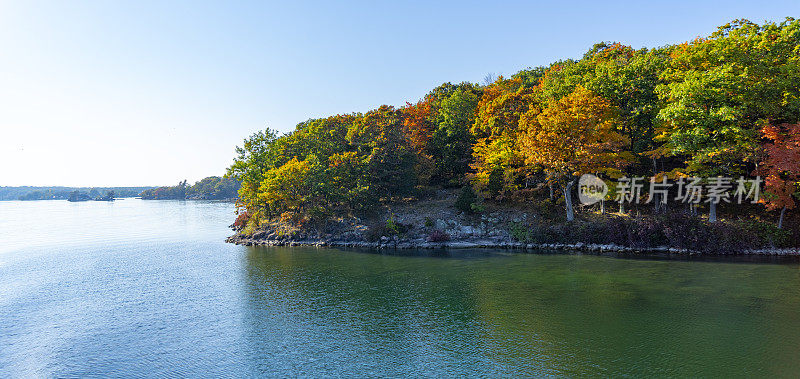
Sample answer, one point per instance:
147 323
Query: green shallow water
140 288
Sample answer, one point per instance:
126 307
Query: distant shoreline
129 197
30 193
228 200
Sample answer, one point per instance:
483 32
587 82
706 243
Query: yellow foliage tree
495 128
286 187
573 136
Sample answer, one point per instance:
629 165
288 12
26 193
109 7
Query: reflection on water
150 288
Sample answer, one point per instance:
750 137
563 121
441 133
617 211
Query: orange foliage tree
419 127
418 123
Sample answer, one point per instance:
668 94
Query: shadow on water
346 312
339 314
445 253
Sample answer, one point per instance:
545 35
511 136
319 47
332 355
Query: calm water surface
138 288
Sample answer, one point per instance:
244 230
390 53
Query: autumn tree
572 136
698 108
419 125
781 168
287 187
322 137
498 163
628 78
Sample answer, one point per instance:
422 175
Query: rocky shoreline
269 239
434 223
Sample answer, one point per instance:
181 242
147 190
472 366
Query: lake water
149 288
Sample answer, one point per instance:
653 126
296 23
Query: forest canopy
724 105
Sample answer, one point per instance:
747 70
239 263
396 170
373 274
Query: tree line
723 105
209 188
63 193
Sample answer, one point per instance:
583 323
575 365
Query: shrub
466 198
392 227
241 220
290 218
549 234
428 222
548 209
519 232
674 230
318 214
766 233
250 228
388 228
438 236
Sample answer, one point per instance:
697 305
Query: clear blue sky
101 93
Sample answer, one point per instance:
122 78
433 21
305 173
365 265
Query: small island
695 145
76 196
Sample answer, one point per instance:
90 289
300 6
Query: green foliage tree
720 91
259 153
378 137
451 142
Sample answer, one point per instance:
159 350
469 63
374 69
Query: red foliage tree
781 167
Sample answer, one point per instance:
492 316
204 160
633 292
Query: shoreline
433 223
243 240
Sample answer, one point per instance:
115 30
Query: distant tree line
83 196
63 193
210 188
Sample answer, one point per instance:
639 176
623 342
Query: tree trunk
602 206
656 203
712 212
568 200
551 192
621 206
780 220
